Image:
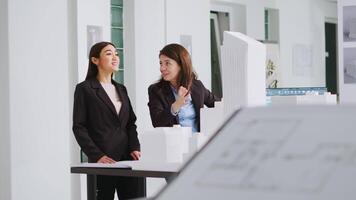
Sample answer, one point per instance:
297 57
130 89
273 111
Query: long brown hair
178 53
95 52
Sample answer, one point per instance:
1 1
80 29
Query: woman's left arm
209 98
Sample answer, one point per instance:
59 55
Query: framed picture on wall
94 35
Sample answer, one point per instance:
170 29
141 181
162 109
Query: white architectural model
211 118
165 144
308 99
243 72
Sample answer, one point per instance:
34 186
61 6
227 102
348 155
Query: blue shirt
186 114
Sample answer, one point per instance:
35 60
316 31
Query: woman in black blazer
104 122
178 96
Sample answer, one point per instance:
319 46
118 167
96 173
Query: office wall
149 25
301 24
183 18
144 36
94 13
5 159
39 101
254 18
73 79
237 14
303 30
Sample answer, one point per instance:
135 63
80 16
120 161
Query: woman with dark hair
104 122
178 96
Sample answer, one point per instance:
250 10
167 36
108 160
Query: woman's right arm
161 115
80 126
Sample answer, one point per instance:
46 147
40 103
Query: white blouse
113 95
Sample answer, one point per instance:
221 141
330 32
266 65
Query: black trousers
126 187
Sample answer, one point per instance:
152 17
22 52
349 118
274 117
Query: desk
138 169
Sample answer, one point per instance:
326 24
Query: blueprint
293 153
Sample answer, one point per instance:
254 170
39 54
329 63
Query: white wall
90 12
149 25
254 16
303 29
144 36
183 18
5 160
301 23
237 14
73 79
39 99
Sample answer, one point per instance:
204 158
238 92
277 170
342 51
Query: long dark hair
95 52
178 53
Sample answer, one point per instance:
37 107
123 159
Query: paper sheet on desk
153 166
105 165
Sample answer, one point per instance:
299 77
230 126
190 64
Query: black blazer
161 99
99 130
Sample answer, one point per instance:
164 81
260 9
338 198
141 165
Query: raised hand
181 100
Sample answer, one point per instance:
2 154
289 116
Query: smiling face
108 61
169 69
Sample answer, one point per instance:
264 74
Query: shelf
117 27
116 6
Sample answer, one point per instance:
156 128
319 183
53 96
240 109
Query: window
271 23
219 22
266 24
117 29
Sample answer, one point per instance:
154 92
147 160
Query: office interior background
43 53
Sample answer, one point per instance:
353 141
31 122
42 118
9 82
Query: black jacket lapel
103 95
195 94
168 94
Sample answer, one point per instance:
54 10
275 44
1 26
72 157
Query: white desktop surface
136 165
